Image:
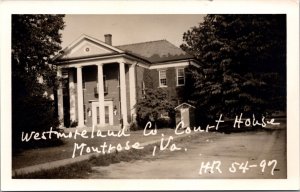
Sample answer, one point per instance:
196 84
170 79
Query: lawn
65 151
82 169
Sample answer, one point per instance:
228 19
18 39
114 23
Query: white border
290 7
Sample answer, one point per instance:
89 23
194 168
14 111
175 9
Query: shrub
134 127
74 124
33 113
156 102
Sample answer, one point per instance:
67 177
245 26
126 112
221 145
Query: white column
72 96
60 106
101 94
132 90
80 97
123 93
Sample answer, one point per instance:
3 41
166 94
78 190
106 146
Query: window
105 87
65 86
84 112
98 115
106 111
163 78
118 79
143 90
180 77
83 82
65 80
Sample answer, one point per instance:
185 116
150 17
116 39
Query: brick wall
111 71
89 76
139 81
151 78
90 73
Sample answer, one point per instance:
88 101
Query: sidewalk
58 163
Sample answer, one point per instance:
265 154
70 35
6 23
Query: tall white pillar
132 90
60 105
72 96
101 94
123 93
80 97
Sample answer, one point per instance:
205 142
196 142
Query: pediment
86 47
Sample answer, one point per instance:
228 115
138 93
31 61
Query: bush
164 122
74 124
156 102
33 113
133 126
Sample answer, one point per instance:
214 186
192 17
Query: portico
76 94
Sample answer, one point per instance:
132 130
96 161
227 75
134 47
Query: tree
243 63
155 102
35 39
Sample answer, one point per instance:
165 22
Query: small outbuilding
185 113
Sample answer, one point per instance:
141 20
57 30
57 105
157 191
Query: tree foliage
243 60
35 39
155 102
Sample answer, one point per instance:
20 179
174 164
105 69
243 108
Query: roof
156 51
184 105
152 52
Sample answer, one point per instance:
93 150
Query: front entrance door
108 113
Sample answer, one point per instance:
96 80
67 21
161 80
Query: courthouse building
102 82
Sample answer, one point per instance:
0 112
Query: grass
117 157
49 154
82 169
78 170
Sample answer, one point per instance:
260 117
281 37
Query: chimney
107 38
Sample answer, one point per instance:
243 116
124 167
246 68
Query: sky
128 29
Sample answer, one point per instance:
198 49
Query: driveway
262 153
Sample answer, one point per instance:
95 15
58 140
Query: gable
86 47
